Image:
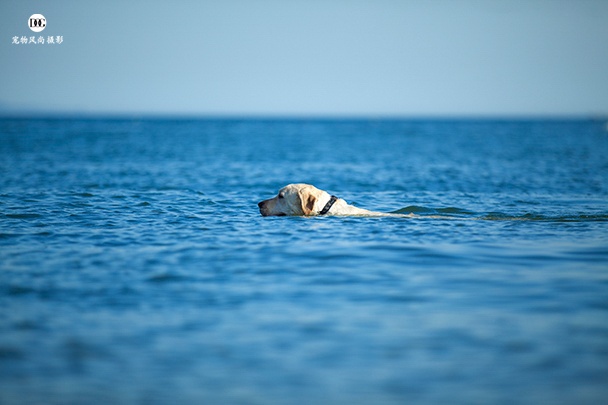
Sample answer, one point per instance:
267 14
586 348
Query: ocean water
135 267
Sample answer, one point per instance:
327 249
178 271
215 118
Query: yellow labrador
307 200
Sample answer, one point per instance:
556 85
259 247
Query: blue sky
345 58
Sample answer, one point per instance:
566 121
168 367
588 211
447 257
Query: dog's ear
308 201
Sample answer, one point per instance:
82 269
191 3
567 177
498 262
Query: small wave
460 213
19 290
455 211
23 216
415 209
165 278
496 216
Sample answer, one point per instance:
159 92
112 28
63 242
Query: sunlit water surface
135 267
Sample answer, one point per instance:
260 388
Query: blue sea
135 267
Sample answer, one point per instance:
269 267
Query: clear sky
315 57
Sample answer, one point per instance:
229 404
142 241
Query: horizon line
134 115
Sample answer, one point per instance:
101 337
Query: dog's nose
260 204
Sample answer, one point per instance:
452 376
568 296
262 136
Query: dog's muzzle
263 210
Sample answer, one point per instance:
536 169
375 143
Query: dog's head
293 200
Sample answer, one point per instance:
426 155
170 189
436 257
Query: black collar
329 204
